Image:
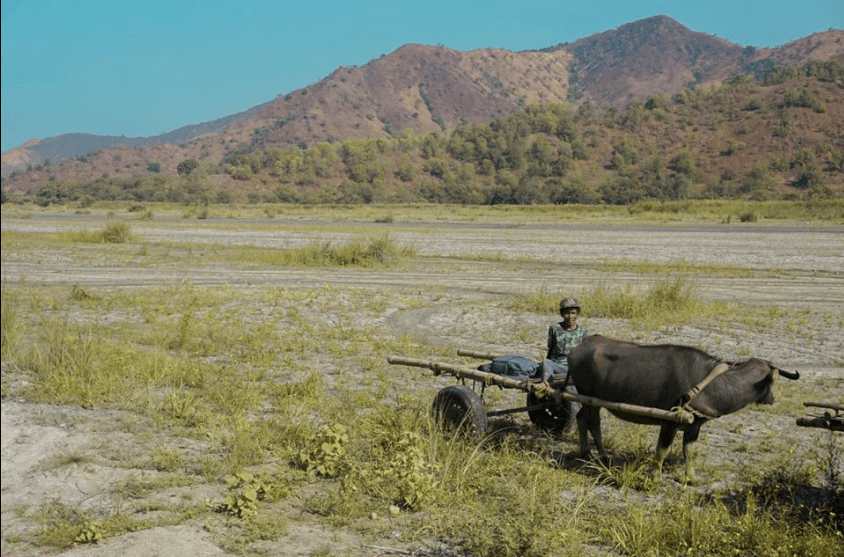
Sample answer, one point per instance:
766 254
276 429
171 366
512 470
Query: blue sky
146 67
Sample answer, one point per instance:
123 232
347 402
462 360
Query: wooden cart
551 406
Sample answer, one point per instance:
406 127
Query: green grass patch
665 302
668 301
692 526
112 233
378 251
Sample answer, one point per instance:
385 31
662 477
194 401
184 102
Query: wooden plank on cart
478 354
538 387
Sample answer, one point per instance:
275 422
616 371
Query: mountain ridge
431 88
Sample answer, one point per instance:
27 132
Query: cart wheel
459 407
554 418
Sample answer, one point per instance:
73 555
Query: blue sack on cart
520 366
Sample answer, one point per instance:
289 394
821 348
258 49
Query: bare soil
799 272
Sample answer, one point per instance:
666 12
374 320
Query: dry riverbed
461 282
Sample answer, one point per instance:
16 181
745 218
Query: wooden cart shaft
832 418
535 386
823 422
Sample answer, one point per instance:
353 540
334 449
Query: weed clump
667 301
12 330
377 252
112 233
374 252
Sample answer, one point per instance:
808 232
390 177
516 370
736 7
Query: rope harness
686 400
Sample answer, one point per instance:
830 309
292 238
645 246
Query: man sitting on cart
563 337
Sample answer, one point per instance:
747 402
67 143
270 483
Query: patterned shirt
561 341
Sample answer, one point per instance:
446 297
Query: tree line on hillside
548 153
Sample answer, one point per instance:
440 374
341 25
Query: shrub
115 233
735 146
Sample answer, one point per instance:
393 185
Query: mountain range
432 89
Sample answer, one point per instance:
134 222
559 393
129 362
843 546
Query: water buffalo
665 377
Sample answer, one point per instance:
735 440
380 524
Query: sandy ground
810 261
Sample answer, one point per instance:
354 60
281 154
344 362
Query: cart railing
538 387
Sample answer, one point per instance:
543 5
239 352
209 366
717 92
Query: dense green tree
186 167
656 100
286 193
759 179
622 190
529 191
654 181
52 193
362 160
809 176
575 191
825 71
289 162
239 172
438 167
580 150
723 189
632 115
321 158
432 145
540 157
681 185
564 160
802 158
791 98
406 170
461 147
407 140
625 153
432 191
360 192
684 163
465 174
567 128
836 161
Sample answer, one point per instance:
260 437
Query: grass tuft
112 233
375 252
668 301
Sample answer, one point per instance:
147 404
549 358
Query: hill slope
763 140
431 88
